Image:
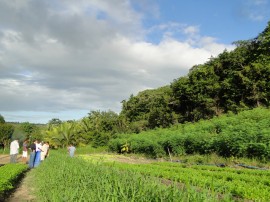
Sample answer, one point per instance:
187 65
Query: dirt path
5 158
22 192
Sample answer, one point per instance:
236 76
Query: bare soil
132 160
5 158
22 193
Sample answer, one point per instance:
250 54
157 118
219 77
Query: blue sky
62 59
225 20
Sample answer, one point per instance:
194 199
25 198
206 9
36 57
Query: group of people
38 152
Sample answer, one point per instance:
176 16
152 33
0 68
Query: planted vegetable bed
245 184
9 175
61 178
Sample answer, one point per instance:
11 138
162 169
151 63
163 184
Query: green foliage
54 122
149 109
61 178
2 119
63 135
99 127
231 82
244 135
6 131
228 182
96 129
88 149
9 175
30 131
259 150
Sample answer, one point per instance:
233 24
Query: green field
102 177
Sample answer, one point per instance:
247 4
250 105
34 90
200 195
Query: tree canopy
232 81
2 119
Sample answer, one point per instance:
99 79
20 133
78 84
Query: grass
2 151
61 178
88 149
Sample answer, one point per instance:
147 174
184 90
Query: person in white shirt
71 150
14 150
38 154
45 150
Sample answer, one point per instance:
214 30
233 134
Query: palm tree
64 134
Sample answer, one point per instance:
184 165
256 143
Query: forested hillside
232 81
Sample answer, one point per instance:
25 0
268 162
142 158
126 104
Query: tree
54 122
64 135
28 128
102 126
6 131
149 109
233 81
31 131
2 119
182 99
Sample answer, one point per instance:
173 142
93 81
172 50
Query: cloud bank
65 58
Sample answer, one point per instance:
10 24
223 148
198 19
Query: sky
65 58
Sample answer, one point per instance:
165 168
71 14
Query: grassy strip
61 178
9 175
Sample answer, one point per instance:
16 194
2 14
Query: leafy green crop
245 184
9 173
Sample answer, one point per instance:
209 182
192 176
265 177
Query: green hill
231 82
246 134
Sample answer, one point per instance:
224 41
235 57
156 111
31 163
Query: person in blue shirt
71 150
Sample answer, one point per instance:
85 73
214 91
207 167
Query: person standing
71 150
32 154
14 150
38 154
45 150
24 153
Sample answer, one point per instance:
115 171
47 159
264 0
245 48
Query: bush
258 150
245 134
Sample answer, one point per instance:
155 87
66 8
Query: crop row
9 174
250 172
238 184
73 179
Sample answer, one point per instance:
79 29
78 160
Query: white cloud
71 57
255 10
191 30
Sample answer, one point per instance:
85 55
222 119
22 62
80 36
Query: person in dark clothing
32 154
